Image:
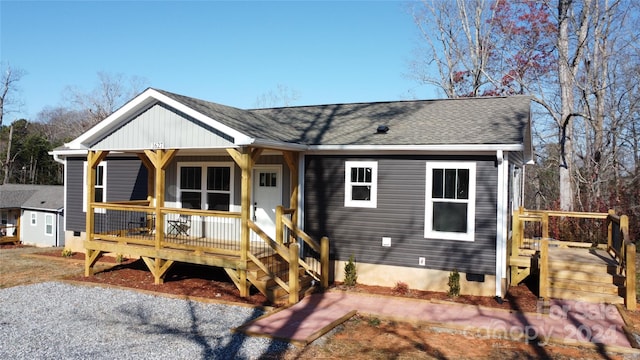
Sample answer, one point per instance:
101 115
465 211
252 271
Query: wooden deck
596 257
601 269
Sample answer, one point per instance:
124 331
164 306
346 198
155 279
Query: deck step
585 296
585 286
556 265
599 277
276 292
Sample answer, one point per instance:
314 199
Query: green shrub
350 273
374 321
454 283
119 258
67 253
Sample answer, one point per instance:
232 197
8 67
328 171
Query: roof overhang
440 148
140 103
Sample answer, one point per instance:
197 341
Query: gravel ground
55 320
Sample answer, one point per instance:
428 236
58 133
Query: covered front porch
10 226
281 261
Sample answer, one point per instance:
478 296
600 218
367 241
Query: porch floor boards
581 255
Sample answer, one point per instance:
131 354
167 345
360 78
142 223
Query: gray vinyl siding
126 180
167 128
35 234
400 214
517 158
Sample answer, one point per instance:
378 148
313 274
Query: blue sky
226 52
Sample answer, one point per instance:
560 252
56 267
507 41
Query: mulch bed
213 283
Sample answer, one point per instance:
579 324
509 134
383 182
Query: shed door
267 195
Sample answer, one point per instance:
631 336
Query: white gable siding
163 127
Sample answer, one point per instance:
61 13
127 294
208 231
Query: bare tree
8 88
112 91
282 96
559 51
456 36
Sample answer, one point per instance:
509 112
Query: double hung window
206 187
361 184
450 200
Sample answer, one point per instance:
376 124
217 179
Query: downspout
300 180
57 159
500 225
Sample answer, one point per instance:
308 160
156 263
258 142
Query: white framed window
450 200
205 186
361 184
34 219
48 224
100 185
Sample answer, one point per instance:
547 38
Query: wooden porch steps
586 296
268 285
589 277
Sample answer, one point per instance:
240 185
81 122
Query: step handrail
321 248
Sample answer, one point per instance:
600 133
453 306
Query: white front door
267 194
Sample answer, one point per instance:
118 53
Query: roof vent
382 129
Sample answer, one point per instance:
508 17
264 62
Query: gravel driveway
54 320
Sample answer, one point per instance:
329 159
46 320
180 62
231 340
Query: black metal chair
180 226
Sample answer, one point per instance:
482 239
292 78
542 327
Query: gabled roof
496 122
37 197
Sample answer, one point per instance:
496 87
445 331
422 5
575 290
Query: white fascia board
69 152
458 148
148 97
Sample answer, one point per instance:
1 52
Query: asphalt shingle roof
487 120
48 197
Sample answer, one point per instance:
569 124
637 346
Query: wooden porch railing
214 233
623 249
618 244
10 234
286 245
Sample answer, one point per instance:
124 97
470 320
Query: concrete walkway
566 322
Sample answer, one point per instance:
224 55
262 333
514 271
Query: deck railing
623 249
197 230
561 228
218 233
537 230
285 247
9 234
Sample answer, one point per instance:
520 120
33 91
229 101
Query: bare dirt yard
359 338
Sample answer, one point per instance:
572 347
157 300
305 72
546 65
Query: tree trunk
566 98
7 164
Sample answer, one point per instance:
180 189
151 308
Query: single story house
413 190
32 214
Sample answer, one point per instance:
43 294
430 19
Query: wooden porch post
93 159
544 269
324 259
160 160
516 233
294 282
245 160
292 162
150 177
610 213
